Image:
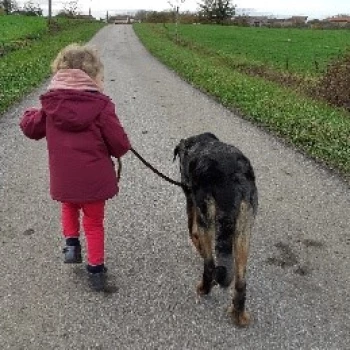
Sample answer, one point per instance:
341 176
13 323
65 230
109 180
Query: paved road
298 287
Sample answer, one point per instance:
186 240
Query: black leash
183 186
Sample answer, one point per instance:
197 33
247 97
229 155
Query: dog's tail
223 251
232 234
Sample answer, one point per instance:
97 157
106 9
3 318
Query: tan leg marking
241 241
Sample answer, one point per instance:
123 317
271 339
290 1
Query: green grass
314 127
26 67
20 27
302 51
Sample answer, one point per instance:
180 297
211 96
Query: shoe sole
78 261
97 286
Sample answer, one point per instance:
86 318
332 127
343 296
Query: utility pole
50 13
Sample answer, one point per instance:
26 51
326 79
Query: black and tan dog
222 202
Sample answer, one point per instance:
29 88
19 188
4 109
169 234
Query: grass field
24 66
18 27
297 50
319 130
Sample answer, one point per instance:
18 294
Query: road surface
299 271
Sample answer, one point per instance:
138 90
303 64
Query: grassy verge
25 68
319 130
18 28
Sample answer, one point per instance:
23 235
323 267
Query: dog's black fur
222 202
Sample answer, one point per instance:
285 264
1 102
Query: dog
222 202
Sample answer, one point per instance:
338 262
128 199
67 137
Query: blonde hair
75 56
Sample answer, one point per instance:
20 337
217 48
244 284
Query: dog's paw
202 289
241 319
198 299
221 277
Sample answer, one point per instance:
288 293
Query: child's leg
70 220
71 228
94 231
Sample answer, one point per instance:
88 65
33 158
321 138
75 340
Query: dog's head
186 149
186 144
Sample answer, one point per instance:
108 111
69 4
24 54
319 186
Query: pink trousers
93 216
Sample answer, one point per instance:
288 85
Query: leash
180 184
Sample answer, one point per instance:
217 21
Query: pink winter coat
82 132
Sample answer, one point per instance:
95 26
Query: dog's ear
176 152
178 149
211 135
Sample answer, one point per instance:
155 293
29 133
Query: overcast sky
311 8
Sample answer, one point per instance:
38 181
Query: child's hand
33 123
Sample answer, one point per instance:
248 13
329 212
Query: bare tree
175 4
32 9
141 15
70 9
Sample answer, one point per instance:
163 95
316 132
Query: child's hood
73 79
73 110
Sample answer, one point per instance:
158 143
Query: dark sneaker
72 254
97 277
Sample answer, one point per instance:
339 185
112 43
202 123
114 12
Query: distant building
121 19
89 17
294 21
298 19
257 21
267 21
341 20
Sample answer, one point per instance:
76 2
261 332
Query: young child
82 132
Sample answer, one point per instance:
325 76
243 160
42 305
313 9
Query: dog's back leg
203 233
241 240
223 248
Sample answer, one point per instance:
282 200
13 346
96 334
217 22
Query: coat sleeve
33 123
113 133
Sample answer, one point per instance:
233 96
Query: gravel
298 285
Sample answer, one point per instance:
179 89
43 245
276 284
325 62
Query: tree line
213 11
30 8
209 11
